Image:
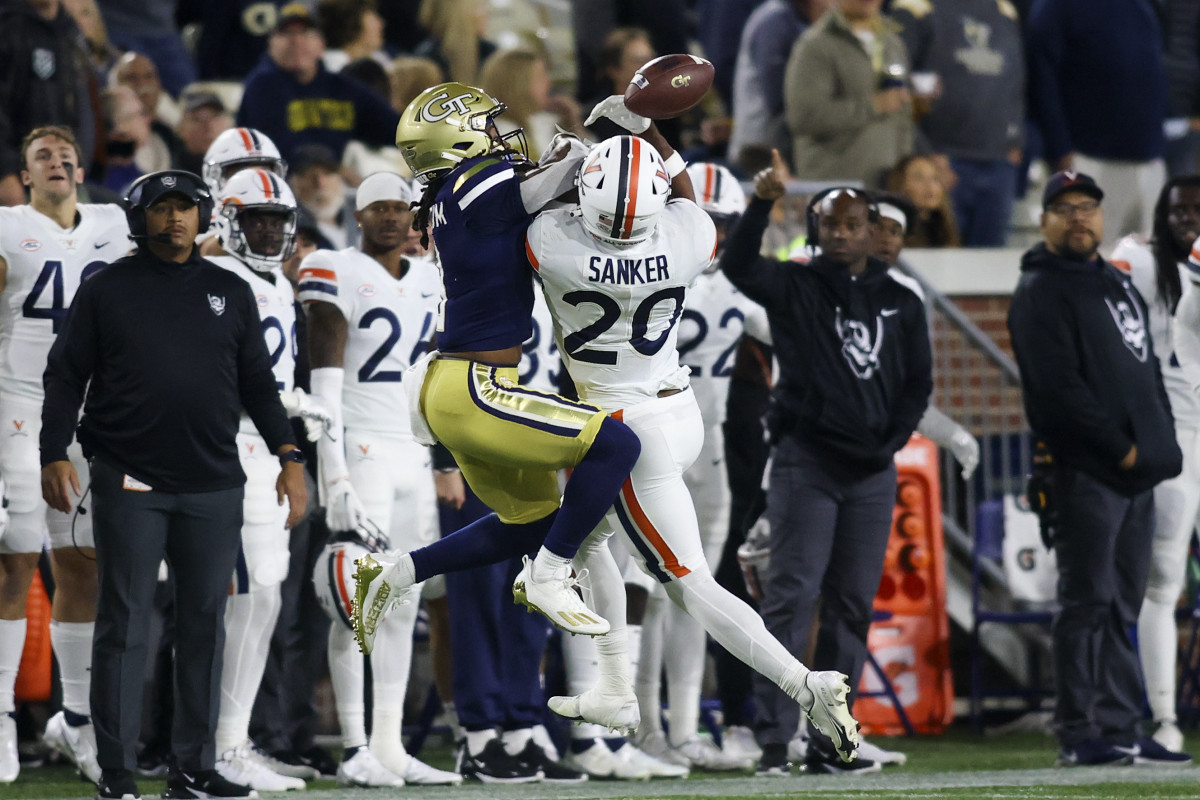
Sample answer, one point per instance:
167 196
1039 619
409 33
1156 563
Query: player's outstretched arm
681 182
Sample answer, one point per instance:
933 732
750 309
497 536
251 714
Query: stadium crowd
303 147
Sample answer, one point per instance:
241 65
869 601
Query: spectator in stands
1181 21
315 177
666 24
233 35
148 26
624 51
719 28
917 178
164 149
359 160
973 50
87 16
352 29
292 98
204 119
46 80
1098 91
456 37
846 97
411 75
518 78
1093 392
127 135
766 43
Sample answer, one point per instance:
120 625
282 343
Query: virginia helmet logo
860 352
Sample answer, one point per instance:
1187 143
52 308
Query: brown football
669 85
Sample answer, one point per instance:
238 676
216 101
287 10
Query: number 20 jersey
46 264
616 306
390 324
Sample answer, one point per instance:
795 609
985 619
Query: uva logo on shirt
859 348
1131 324
217 304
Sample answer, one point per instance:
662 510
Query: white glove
965 450
343 510
614 108
316 419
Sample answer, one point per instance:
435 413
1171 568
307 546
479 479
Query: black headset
159 183
812 219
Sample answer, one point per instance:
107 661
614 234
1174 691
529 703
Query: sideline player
371 313
47 248
508 441
615 271
258 233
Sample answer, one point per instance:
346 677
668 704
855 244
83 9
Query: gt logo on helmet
453 105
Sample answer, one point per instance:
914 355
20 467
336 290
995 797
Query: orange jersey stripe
341 580
314 272
529 254
651 534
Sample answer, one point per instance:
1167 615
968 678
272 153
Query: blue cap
1069 181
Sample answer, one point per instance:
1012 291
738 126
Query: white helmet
257 190
623 187
333 574
240 147
717 191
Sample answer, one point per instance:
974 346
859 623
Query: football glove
613 107
316 419
965 450
343 510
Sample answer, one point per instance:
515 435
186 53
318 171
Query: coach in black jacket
168 348
1094 395
855 378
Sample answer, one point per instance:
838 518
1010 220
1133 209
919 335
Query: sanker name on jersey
46 264
617 306
391 323
277 310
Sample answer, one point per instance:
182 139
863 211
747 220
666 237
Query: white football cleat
738 741
240 766
829 713
418 773
378 588
76 743
873 752
704 754
364 770
617 712
641 761
657 747
557 600
10 765
599 761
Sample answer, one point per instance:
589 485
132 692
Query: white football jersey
540 363
277 310
615 306
713 320
391 322
46 264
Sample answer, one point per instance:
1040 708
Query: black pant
829 535
199 534
1103 543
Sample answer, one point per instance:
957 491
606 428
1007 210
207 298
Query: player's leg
250 615
1176 503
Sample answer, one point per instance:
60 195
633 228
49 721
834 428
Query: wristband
296 455
675 164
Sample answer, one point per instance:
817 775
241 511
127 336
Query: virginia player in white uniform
371 313
615 273
47 248
258 232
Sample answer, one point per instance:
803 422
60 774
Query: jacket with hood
854 357
1091 382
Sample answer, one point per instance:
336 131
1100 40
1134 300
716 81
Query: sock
249 621
12 644
485 541
648 673
613 651
391 661
477 740
515 741
684 658
548 566
346 675
72 645
593 487
1158 649
404 571
634 638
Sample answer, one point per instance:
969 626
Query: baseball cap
1070 181
294 12
313 155
193 101
382 186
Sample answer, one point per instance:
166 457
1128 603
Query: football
669 85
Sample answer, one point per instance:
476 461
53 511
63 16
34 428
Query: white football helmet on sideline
717 191
237 149
623 187
258 195
333 574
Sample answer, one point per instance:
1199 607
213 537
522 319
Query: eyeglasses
1086 208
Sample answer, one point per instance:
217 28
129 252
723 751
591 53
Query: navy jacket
1091 382
854 357
331 109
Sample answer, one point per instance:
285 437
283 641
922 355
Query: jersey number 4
610 312
51 277
369 372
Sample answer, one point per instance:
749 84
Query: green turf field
958 765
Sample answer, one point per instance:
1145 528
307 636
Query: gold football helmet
449 123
